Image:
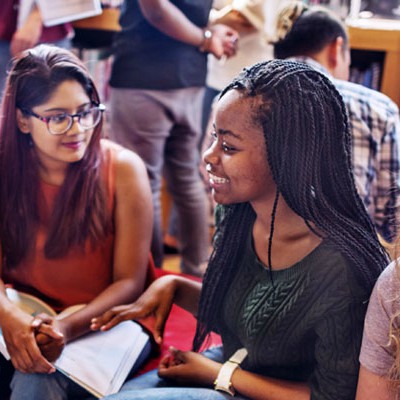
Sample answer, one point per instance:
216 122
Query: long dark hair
80 210
307 138
305 31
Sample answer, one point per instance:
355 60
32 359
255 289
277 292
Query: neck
286 220
323 59
290 232
53 176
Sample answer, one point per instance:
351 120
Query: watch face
207 34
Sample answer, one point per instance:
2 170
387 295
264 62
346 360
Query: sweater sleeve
339 334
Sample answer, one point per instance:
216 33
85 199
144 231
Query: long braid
271 234
308 143
228 245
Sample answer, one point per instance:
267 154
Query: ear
335 52
22 122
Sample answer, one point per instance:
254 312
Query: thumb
161 316
159 327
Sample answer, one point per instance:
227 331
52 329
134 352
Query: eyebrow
227 132
65 110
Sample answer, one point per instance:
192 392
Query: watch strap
223 381
239 356
205 44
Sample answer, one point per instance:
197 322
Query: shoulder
334 274
358 96
384 302
125 162
387 288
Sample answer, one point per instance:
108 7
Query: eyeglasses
61 123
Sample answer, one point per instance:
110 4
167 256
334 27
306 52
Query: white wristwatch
223 381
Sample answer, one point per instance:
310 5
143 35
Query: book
54 12
98 361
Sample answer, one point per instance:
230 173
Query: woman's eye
85 113
226 148
214 136
58 119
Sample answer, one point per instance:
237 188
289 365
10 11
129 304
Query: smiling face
56 152
237 160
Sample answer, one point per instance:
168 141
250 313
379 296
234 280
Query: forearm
187 294
256 387
120 292
28 34
168 19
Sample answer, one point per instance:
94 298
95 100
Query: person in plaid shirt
316 36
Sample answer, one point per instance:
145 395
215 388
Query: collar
313 64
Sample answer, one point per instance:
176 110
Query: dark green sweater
307 326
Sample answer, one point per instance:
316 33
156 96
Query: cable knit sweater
305 325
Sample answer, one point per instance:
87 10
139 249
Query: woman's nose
76 127
210 156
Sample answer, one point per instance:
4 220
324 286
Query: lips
73 145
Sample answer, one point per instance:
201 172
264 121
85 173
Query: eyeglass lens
61 123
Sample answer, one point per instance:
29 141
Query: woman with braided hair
295 253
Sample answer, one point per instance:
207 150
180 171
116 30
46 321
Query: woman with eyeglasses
75 215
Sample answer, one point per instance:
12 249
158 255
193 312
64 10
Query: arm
133 220
171 21
28 34
378 352
336 357
156 301
372 386
190 367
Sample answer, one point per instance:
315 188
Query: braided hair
307 138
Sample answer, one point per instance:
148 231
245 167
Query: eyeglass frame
101 107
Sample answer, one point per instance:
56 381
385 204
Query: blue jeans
164 129
150 387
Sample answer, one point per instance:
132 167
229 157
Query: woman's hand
49 337
189 367
156 301
19 336
224 41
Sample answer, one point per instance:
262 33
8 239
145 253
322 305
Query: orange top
79 276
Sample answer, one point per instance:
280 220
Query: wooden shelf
380 35
107 20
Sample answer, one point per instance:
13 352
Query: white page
101 361
55 12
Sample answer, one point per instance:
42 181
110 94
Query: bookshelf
376 37
107 20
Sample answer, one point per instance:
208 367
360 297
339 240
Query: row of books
369 77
